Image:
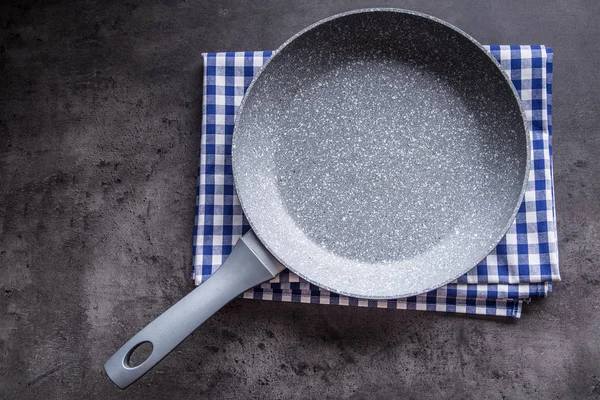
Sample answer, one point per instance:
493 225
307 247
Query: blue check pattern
522 266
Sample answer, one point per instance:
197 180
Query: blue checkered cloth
522 266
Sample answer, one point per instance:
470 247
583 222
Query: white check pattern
522 266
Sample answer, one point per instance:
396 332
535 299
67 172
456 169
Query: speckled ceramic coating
380 153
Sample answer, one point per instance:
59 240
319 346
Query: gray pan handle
248 265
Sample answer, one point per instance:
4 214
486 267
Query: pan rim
515 96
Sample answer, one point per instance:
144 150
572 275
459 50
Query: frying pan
379 153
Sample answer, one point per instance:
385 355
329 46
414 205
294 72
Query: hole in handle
139 354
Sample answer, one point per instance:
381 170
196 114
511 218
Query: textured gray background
99 131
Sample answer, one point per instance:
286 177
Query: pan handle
248 265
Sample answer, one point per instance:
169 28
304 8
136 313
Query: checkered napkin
522 266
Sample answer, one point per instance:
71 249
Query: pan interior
380 154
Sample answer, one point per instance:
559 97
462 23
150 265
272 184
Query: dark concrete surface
100 107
